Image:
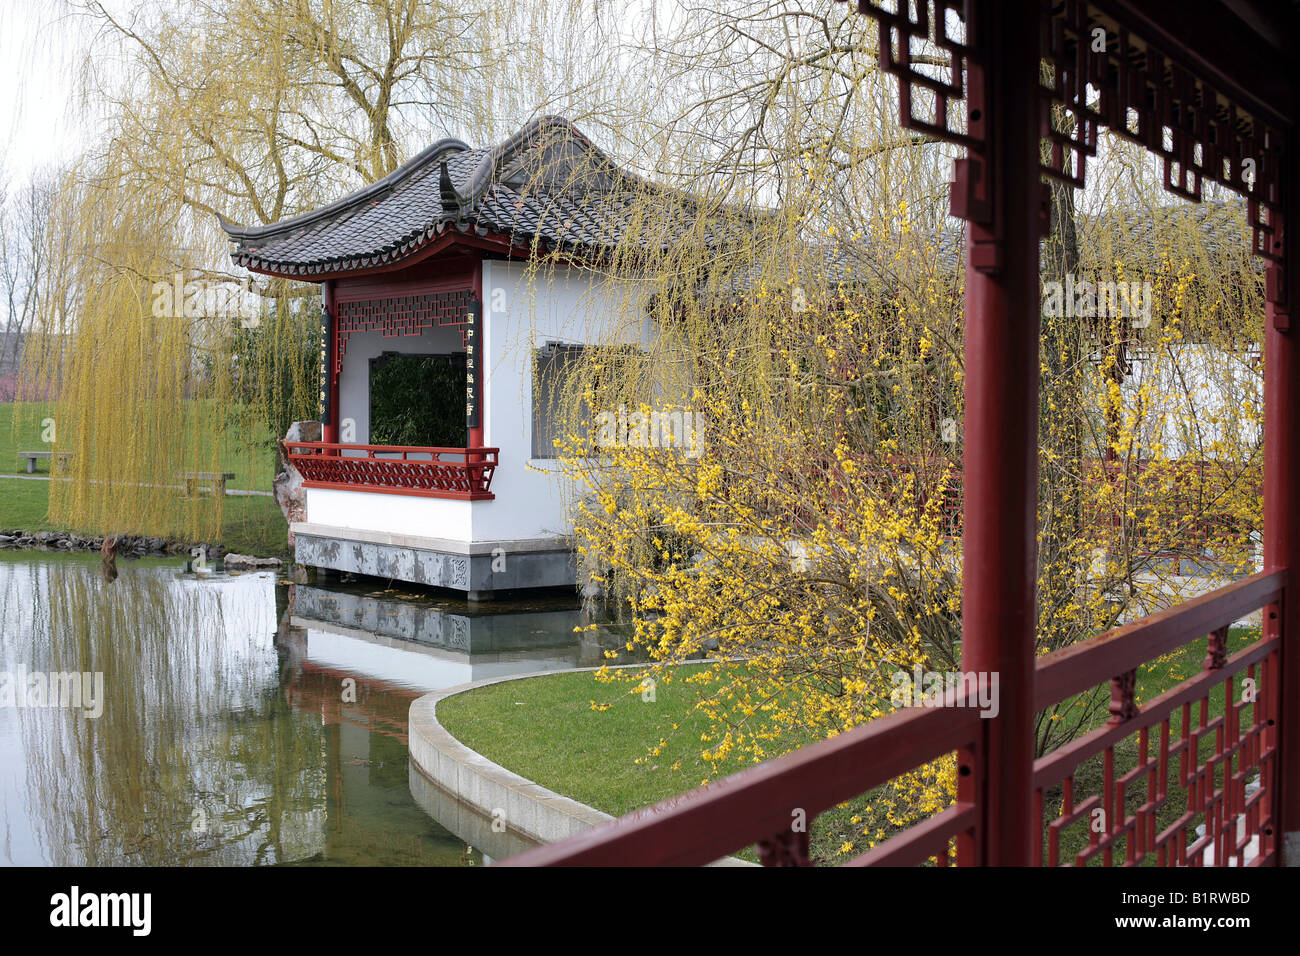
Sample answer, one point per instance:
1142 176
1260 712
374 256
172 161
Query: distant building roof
548 182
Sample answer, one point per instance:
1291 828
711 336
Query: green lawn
251 456
252 524
24 504
544 728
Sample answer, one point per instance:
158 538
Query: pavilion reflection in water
359 660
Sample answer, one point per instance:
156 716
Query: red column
476 433
330 427
1001 463
1281 487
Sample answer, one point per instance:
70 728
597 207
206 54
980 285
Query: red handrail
1081 666
389 469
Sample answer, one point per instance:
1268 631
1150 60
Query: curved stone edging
530 810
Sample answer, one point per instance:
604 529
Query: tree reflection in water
213 748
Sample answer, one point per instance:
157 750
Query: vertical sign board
473 362
325 329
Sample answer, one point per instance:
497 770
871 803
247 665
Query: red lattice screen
1208 745
400 315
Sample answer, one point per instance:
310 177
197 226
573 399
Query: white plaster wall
354 379
391 514
571 306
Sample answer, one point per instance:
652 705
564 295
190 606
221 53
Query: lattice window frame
401 315
1154 101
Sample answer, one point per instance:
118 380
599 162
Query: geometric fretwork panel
1094 73
1097 73
922 44
461 473
1186 779
400 315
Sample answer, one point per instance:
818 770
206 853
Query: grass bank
545 729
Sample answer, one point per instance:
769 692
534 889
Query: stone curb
531 811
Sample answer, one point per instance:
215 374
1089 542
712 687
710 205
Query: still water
242 720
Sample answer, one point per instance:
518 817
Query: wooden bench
217 479
32 456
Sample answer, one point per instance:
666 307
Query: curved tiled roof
547 182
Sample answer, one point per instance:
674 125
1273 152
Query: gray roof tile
546 182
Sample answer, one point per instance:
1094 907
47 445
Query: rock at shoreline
239 562
287 486
121 545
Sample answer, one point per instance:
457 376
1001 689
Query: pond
164 718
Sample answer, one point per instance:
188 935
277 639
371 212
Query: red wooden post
1281 488
1001 464
329 345
476 434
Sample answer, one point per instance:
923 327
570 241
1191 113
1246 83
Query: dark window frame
543 431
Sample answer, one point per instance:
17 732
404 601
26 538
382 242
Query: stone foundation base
477 568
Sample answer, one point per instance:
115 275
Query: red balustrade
1215 757
459 473
775 803
1174 741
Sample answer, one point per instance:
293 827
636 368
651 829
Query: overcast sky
38 78
40 44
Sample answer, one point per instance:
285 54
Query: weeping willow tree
164 360
802 288
121 366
